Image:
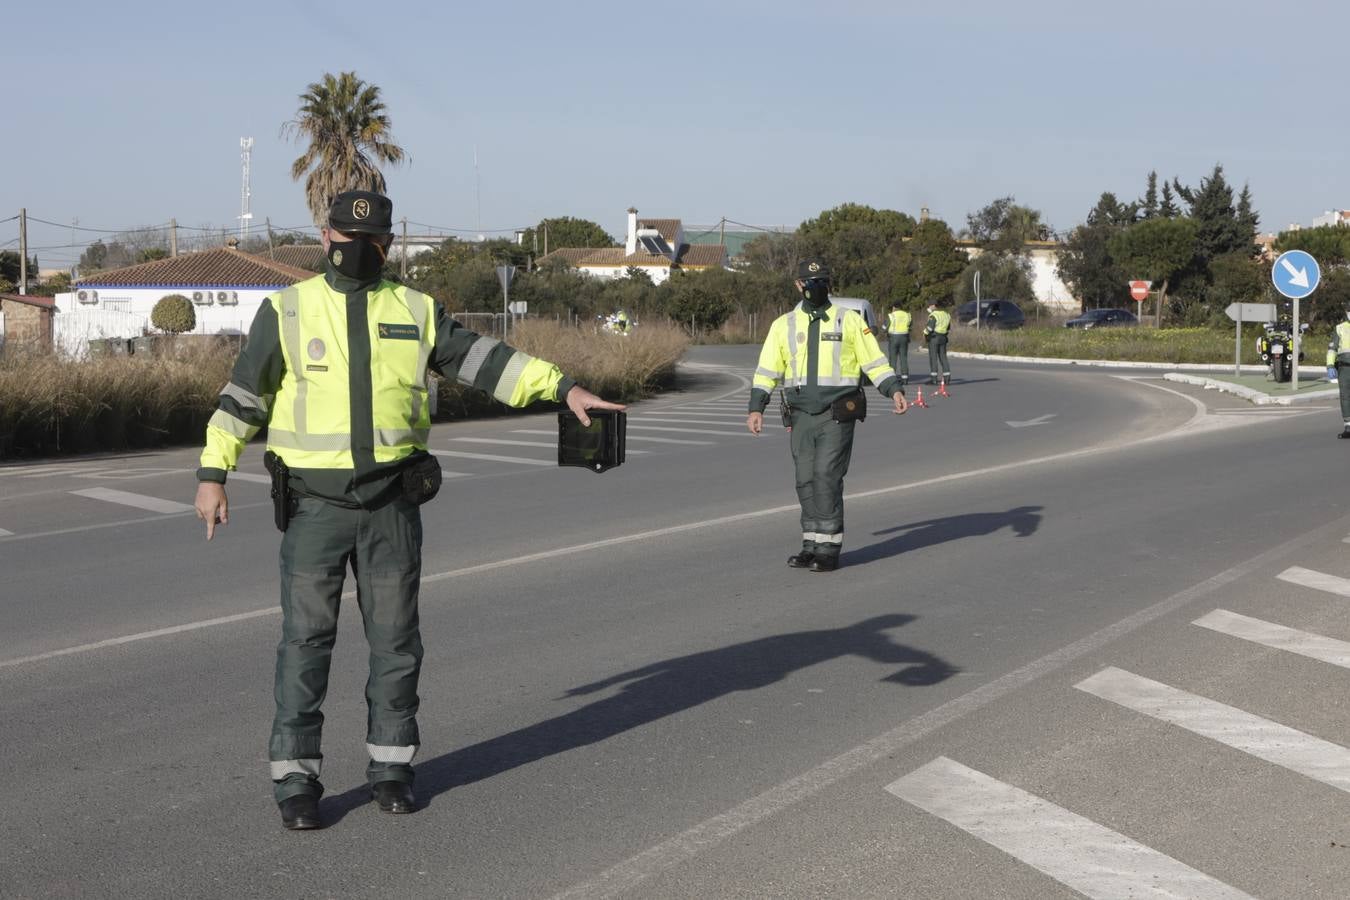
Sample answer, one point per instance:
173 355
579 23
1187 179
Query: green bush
174 314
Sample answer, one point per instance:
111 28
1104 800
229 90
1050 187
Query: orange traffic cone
942 390
918 401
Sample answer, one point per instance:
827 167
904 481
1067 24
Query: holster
784 409
421 479
851 407
281 489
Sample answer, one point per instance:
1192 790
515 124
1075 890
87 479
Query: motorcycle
1276 349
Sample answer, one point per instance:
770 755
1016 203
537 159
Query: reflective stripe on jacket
939 322
898 322
1339 348
845 348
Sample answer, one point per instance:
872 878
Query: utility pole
173 237
724 231
403 263
546 237
271 248
23 251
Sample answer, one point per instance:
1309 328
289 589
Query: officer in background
898 323
1338 369
336 368
935 331
819 351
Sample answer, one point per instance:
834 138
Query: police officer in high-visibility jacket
898 323
935 332
1338 365
336 368
819 352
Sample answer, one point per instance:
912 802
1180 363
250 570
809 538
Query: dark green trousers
383 547
937 357
821 448
897 354
1343 382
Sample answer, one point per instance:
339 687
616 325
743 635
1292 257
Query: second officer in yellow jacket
819 352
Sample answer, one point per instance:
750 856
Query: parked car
993 314
1102 318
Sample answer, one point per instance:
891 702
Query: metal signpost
1295 275
1247 312
977 299
1139 293
504 275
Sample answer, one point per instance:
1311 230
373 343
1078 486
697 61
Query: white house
225 285
654 246
1049 288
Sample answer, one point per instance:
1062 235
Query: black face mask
816 292
361 259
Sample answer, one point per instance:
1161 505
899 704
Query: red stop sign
1139 290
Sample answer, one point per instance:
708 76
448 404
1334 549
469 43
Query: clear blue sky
763 111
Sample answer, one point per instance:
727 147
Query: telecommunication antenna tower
246 192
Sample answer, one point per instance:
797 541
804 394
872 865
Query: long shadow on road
665 688
1023 520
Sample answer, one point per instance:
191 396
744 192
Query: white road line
1275 743
1090 858
685 431
140 501
621 879
545 444
1317 580
248 476
518 460
446 473
4 533
703 421
1279 637
698 412
128 474
657 440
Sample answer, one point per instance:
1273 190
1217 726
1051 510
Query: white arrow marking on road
1039 420
1297 277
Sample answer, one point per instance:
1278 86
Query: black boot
1345 435
394 797
801 560
300 813
824 564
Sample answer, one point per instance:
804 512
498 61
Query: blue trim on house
83 285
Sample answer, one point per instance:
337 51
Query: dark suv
993 314
1102 318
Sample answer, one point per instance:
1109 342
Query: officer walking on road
336 368
935 331
898 322
1338 364
819 352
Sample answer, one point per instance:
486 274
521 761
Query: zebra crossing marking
1320 581
492 457
550 446
139 501
1279 637
1270 741
249 476
1075 851
632 427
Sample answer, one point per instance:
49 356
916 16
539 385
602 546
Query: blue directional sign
1295 274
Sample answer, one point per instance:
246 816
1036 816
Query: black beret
365 212
812 268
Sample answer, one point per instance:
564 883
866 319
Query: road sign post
1139 293
504 275
1247 312
1296 275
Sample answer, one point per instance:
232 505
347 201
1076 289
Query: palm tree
348 131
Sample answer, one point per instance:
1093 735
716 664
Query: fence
74 330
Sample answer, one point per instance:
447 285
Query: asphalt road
1003 692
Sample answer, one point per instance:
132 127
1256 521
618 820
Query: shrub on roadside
174 314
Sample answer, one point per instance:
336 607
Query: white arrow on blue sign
1295 274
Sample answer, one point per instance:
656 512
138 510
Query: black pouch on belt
421 479
281 489
850 407
784 409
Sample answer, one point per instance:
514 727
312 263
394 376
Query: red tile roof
299 256
222 267
700 256
30 299
666 227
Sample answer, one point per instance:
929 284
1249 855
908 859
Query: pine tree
1246 216
1168 209
1150 203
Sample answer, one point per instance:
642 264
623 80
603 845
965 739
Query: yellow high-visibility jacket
819 360
898 322
1339 348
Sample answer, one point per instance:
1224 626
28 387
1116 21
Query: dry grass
51 405
1166 345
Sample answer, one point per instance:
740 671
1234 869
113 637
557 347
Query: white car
858 304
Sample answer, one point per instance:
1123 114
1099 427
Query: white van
861 306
